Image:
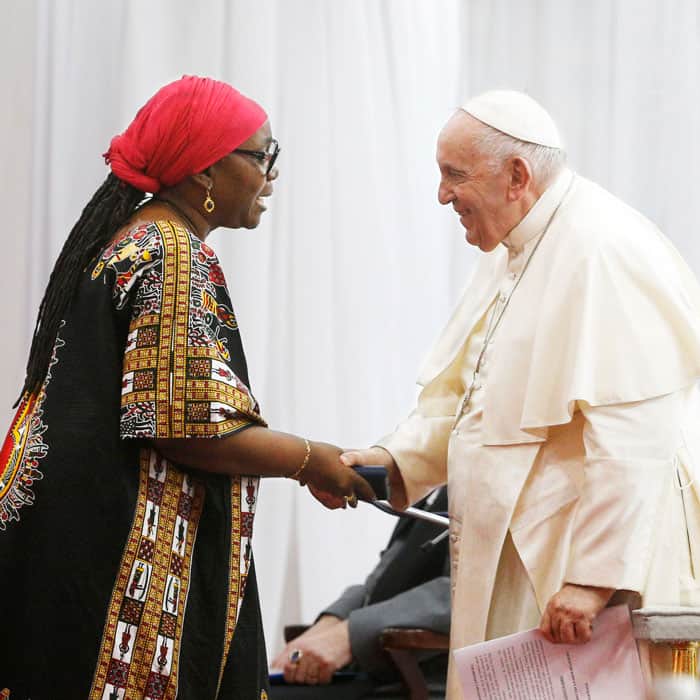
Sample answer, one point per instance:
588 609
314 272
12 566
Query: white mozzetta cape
589 415
608 312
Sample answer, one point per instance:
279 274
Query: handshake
337 478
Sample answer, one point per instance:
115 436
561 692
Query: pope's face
467 182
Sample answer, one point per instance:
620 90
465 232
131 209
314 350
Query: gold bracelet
304 463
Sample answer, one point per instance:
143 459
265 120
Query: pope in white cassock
560 401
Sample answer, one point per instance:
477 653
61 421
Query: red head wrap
183 129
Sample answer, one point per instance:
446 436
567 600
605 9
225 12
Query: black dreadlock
108 210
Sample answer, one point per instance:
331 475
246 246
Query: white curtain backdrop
342 289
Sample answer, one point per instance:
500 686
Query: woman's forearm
264 452
254 450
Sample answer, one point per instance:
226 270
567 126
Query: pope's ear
520 174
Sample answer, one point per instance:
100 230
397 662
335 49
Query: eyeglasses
270 155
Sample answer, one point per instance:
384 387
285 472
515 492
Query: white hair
546 163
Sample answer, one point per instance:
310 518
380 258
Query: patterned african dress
122 575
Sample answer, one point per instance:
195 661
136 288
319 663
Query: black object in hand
376 477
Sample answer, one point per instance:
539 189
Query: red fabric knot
184 128
128 163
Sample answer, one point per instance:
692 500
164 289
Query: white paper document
525 666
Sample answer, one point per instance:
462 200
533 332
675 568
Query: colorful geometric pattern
176 383
22 451
242 514
140 648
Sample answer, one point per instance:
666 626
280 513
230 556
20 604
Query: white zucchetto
516 114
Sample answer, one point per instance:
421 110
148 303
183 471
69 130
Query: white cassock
574 460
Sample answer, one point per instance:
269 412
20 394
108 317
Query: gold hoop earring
209 205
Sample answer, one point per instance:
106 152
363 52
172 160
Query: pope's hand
322 649
569 615
379 457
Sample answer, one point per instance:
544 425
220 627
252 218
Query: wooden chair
403 646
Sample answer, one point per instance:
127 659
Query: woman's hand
331 482
329 501
569 615
378 456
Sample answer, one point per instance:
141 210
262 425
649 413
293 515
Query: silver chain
494 320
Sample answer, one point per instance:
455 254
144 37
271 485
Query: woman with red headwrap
125 559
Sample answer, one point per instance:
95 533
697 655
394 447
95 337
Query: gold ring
295 656
351 500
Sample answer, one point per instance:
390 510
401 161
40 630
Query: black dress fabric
123 575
